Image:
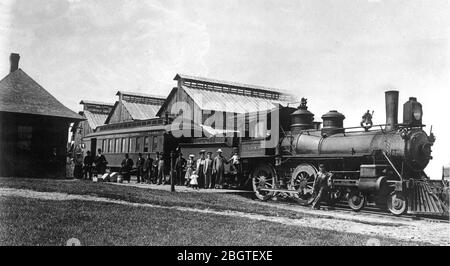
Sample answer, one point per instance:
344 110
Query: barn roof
141 111
225 96
227 83
19 93
229 102
140 106
95 119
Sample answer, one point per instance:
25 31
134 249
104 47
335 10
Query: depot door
93 147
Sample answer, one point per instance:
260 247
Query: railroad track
372 210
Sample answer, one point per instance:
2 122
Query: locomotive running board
423 201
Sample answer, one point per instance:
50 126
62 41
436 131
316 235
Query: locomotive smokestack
391 110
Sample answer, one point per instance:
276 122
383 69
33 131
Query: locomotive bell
301 119
333 123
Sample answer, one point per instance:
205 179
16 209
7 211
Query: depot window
146 144
124 145
25 134
110 145
117 145
155 143
138 144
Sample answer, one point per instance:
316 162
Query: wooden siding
31 155
195 113
120 114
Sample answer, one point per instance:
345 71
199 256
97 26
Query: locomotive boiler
380 165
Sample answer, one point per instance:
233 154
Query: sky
340 54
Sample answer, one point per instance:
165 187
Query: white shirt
235 159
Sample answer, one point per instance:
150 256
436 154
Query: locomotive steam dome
333 123
302 118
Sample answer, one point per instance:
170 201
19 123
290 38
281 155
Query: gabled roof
224 96
228 83
139 111
95 119
140 106
229 102
19 93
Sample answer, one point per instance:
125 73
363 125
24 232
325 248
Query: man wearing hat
180 164
207 170
88 161
161 170
148 169
127 166
140 168
155 168
219 168
200 167
320 186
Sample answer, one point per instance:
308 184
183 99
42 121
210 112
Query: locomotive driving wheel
302 181
264 176
396 203
356 201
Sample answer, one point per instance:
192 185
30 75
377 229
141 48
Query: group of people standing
206 172
92 165
148 170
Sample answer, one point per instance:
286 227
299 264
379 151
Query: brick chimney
14 60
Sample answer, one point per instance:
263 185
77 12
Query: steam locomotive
379 165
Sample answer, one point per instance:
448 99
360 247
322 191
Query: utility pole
172 183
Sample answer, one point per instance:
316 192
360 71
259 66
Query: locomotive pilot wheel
396 203
302 181
356 201
264 176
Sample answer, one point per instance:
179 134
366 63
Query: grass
215 201
41 222
25 221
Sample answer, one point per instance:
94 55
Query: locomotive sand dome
382 167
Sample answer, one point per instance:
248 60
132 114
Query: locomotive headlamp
417 114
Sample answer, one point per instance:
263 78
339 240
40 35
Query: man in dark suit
100 163
140 168
148 169
88 161
127 166
180 164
